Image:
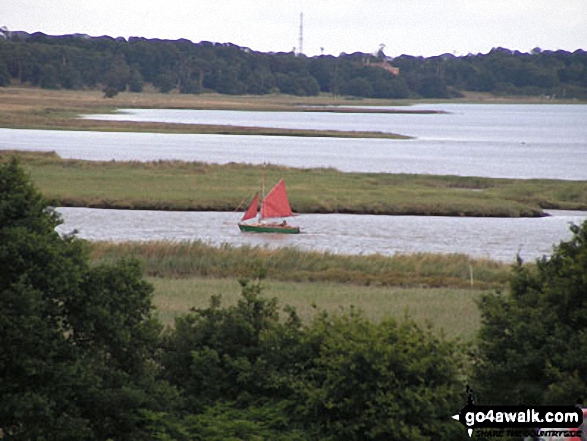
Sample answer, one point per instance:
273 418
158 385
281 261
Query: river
497 140
499 239
510 141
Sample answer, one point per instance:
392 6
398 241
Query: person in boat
283 224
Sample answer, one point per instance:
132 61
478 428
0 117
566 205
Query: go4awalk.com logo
530 418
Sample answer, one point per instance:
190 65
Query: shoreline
197 186
96 125
35 108
134 206
177 185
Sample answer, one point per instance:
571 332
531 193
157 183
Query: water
499 239
501 141
511 141
460 122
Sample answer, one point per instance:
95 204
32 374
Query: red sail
252 210
275 203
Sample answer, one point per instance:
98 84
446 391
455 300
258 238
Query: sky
412 27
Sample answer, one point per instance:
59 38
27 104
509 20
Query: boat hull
268 228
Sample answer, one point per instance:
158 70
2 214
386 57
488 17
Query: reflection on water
499 239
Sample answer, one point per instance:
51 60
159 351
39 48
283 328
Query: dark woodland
83 62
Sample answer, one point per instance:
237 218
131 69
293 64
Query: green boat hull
268 228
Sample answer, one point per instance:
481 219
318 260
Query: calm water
499 239
511 141
462 122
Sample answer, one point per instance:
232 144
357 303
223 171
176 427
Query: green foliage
226 421
242 371
135 83
175 185
110 92
74 62
4 74
165 82
532 341
221 353
180 260
391 381
21 206
357 87
76 342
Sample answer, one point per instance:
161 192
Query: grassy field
452 311
436 290
196 259
174 185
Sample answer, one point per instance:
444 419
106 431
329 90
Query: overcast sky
413 27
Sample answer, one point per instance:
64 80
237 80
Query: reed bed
452 311
176 185
196 259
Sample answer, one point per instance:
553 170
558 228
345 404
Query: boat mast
263 182
262 190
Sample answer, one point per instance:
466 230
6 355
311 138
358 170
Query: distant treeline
81 62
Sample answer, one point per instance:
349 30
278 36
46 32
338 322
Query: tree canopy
76 341
532 341
77 61
338 377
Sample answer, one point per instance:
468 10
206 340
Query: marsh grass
452 311
60 109
33 108
176 185
196 259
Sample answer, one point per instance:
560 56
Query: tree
110 92
135 83
76 341
243 370
386 381
260 82
4 74
118 73
357 87
226 68
49 78
166 82
531 341
228 81
70 78
220 353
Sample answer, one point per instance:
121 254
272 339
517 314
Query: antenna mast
301 43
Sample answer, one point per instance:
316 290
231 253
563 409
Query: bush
531 341
340 377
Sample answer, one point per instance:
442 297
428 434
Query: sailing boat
274 205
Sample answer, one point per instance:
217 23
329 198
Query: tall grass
175 185
452 311
189 259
